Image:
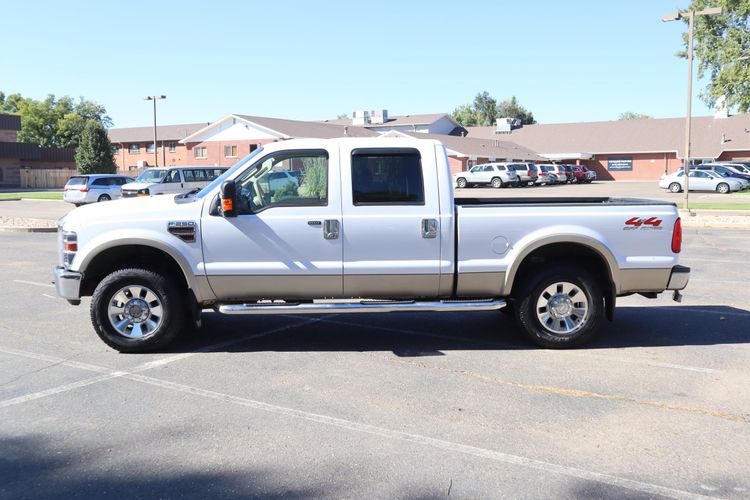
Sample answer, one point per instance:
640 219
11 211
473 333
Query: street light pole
156 148
690 16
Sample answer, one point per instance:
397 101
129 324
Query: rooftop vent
505 125
379 116
361 118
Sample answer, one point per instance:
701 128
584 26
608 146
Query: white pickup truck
368 225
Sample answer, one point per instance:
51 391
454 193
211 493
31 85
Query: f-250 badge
635 223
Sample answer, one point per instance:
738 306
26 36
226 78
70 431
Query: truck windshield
151 176
239 165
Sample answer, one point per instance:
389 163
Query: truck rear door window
383 177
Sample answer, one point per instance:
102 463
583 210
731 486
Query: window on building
172 147
134 149
115 148
230 151
253 147
150 147
2 175
387 178
200 152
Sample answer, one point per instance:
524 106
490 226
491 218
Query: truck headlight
69 247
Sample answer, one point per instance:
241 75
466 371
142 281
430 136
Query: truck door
286 240
391 217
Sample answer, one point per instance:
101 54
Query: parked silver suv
527 173
82 189
496 175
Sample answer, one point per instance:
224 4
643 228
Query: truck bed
553 201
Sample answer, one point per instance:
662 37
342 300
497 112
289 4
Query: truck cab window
384 178
288 179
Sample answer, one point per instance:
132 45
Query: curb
10 199
28 229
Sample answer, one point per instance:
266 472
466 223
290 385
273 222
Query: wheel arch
133 252
591 254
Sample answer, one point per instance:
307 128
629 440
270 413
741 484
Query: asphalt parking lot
404 405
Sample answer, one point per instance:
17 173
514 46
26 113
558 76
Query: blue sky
565 61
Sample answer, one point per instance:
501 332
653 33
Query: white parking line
108 374
36 283
453 447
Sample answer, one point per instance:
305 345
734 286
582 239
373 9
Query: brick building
134 146
16 157
632 149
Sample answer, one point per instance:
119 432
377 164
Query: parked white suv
82 189
496 175
171 180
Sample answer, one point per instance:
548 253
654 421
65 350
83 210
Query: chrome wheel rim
562 308
135 312
496 183
461 183
723 188
674 187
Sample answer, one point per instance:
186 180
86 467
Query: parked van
82 189
171 180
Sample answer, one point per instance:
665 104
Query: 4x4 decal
643 223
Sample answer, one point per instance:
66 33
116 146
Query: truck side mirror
229 199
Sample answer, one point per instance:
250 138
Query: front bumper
679 277
68 284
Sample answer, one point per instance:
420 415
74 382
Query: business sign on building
617 164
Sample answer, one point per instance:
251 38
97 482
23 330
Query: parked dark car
579 174
722 170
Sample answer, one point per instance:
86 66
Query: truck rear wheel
137 310
561 307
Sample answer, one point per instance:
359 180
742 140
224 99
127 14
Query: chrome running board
364 306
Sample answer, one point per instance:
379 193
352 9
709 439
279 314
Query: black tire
723 188
497 183
171 300
675 187
104 197
461 182
526 307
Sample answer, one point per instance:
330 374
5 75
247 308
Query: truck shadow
424 334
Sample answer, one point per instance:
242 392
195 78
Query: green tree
466 115
342 116
632 115
722 49
53 122
94 153
510 108
485 110
315 182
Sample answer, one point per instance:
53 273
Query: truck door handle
429 228
331 229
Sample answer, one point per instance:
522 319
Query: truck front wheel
136 310
561 308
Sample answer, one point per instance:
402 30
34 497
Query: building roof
309 130
10 122
32 151
397 120
709 137
146 134
288 129
480 148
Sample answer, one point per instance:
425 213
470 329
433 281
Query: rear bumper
679 278
68 284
